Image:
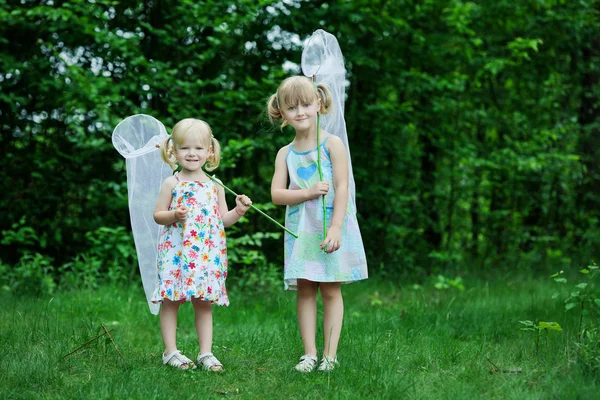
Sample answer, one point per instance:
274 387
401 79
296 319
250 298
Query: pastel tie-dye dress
303 257
192 255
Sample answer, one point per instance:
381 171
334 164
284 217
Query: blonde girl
314 263
192 253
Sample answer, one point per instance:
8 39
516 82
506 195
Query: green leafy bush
584 296
110 258
32 275
249 268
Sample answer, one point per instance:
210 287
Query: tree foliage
473 126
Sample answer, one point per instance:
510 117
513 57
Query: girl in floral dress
192 253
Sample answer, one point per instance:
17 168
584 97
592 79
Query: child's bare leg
333 314
306 307
168 324
204 328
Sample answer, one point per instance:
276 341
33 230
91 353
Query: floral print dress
192 255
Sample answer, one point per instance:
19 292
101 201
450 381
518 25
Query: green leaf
584 271
569 306
551 326
582 285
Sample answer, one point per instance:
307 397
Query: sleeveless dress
303 257
192 255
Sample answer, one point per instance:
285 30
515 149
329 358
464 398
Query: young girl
192 257
314 263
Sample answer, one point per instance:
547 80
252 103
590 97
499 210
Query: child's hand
332 241
181 214
319 189
242 204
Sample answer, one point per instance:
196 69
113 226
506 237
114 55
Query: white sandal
178 360
209 362
307 363
328 364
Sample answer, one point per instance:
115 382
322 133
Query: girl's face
302 116
192 152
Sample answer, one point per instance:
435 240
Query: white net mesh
323 57
135 138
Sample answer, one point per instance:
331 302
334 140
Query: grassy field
397 342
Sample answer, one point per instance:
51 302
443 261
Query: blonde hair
183 129
297 90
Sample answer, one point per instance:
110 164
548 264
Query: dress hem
189 299
295 287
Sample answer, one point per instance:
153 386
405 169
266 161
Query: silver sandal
328 364
209 362
307 363
178 360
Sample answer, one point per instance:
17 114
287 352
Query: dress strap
176 175
326 151
289 153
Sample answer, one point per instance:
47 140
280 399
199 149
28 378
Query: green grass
397 342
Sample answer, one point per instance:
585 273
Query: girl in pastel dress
314 263
192 253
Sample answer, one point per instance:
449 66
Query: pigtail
273 110
214 158
167 152
326 100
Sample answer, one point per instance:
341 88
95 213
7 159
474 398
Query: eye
291 108
307 105
184 148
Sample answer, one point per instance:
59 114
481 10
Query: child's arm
283 196
339 162
230 217
162 214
